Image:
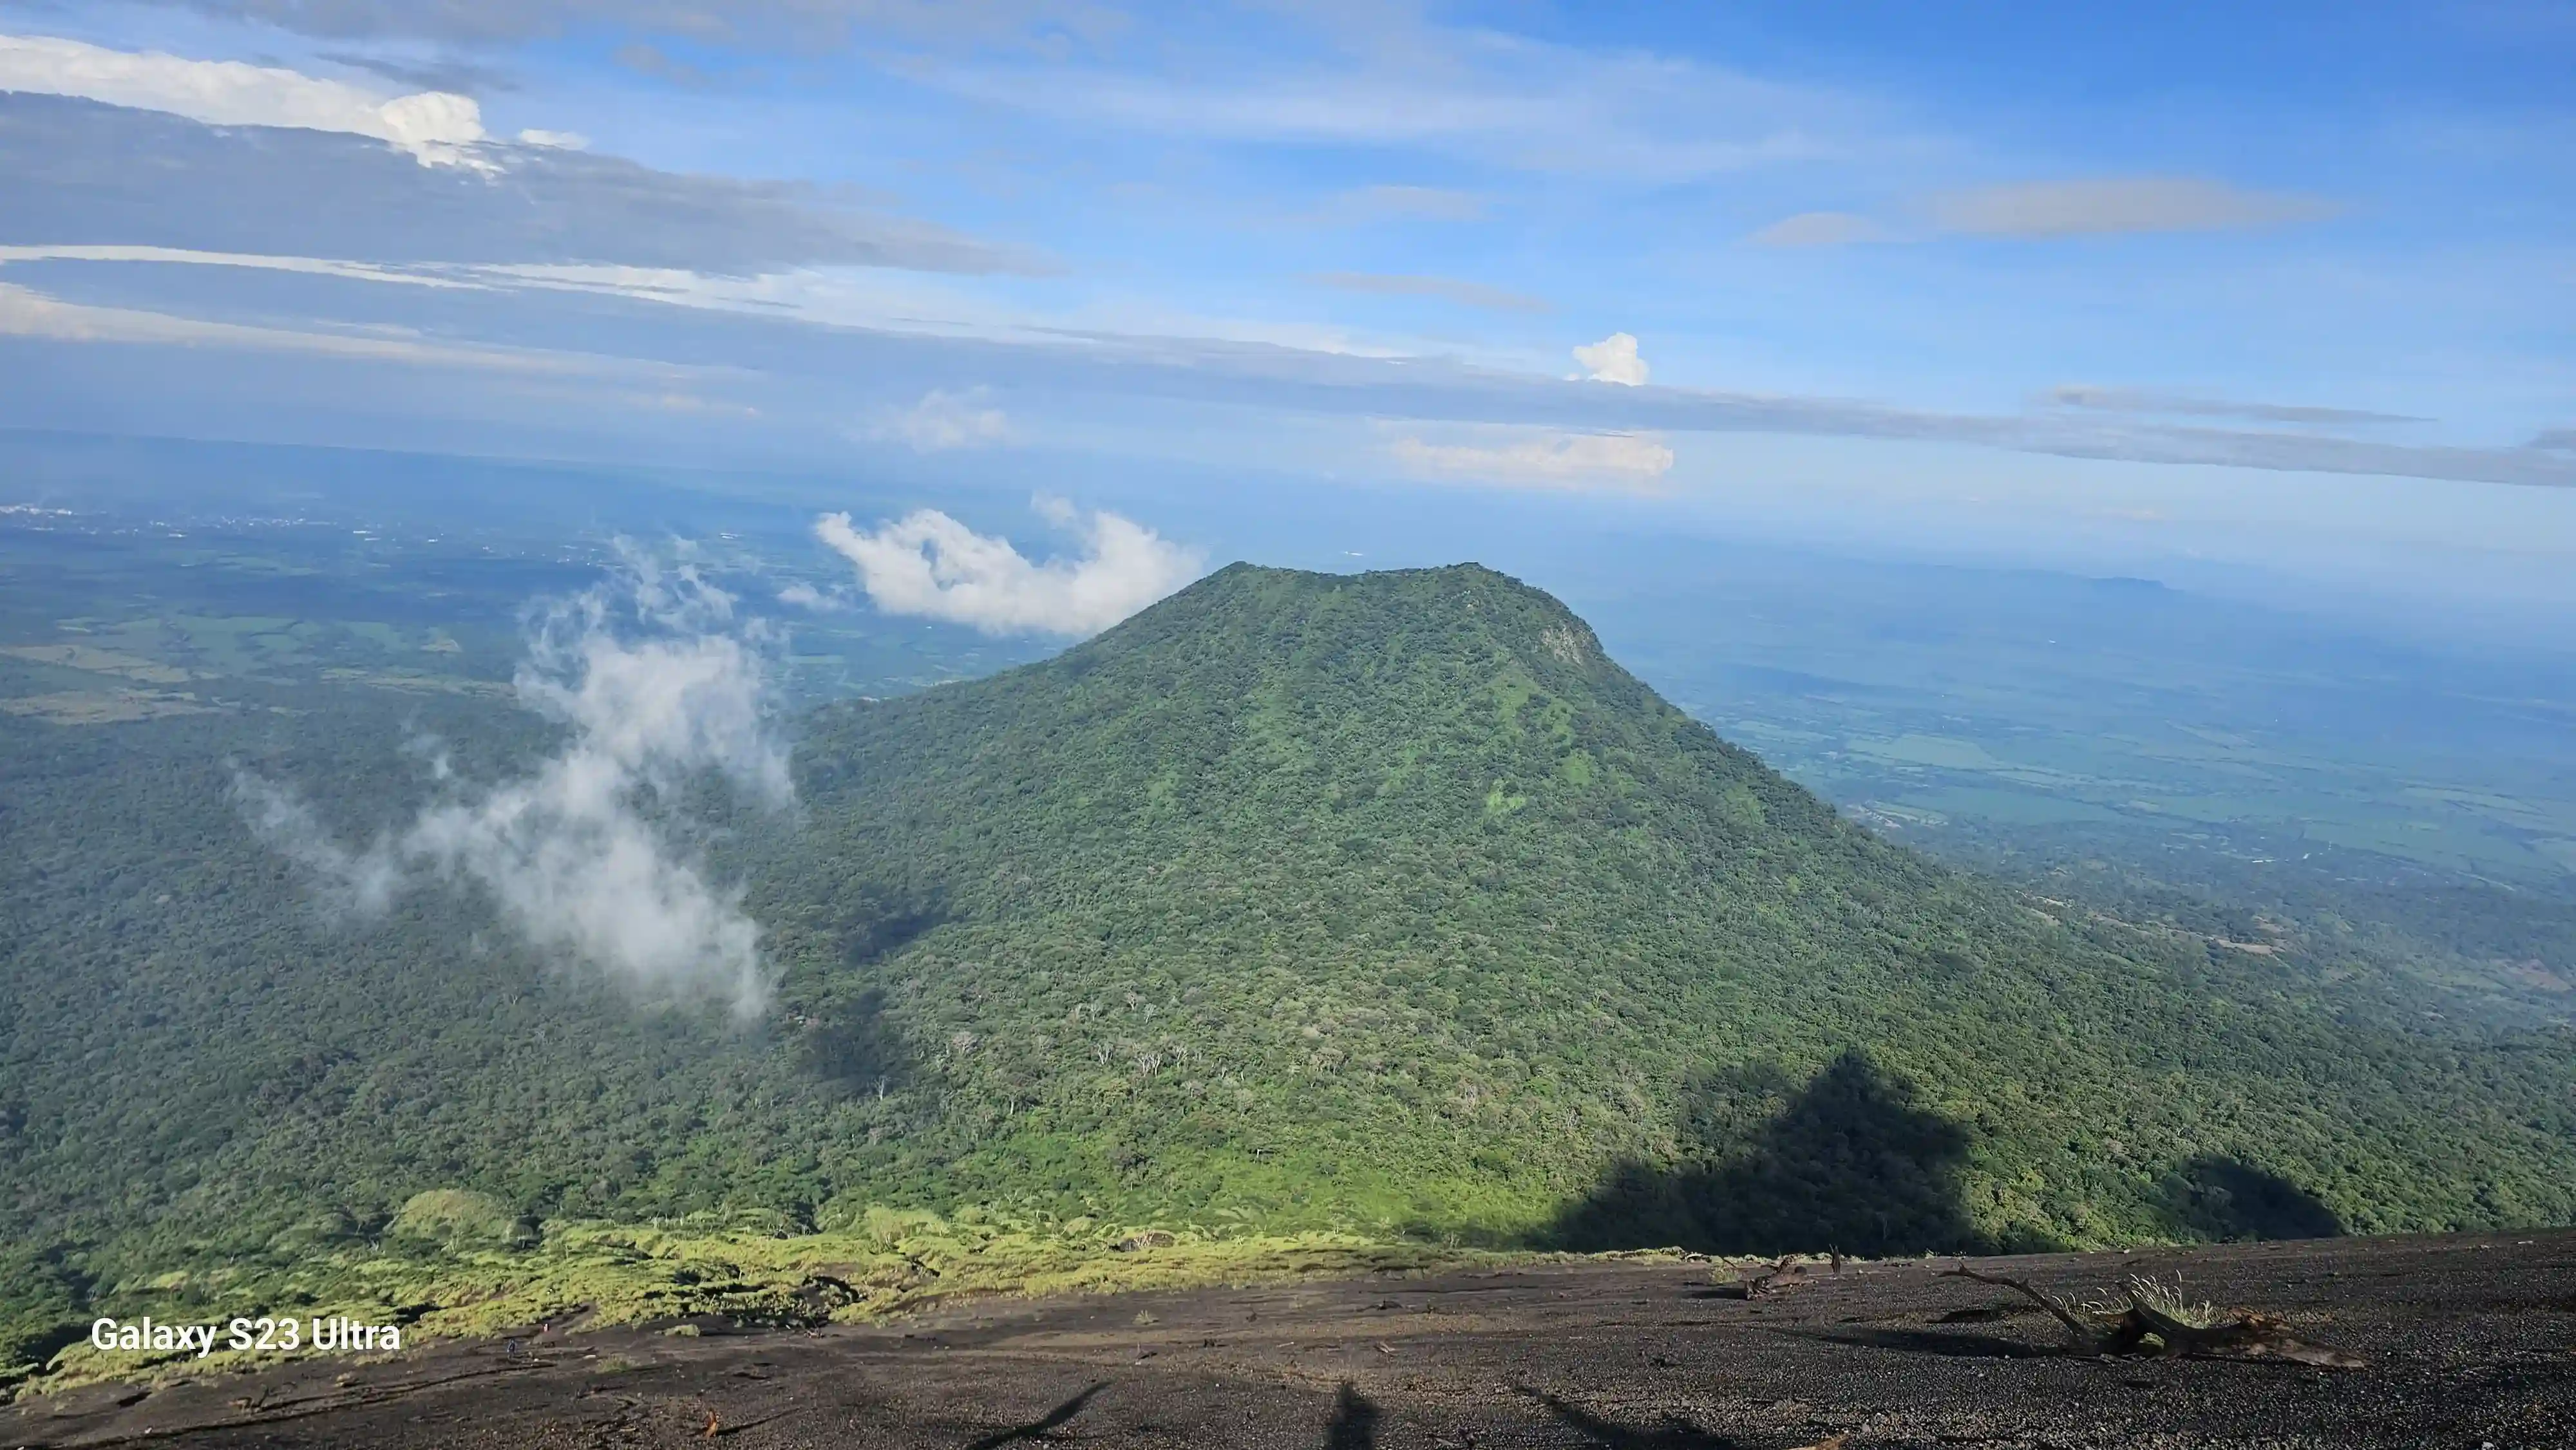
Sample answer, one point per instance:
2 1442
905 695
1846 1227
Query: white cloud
559 140
873 299
1624 462
943 420
930 565
1818 229
656 682
438 128
2105 206
1613 360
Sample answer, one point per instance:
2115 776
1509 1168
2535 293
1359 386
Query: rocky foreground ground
2470 1341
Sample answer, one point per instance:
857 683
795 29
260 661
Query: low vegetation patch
458 1265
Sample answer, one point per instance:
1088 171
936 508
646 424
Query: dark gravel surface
2471 1342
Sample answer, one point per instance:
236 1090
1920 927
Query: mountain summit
1390 900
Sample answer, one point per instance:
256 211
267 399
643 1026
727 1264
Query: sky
2287 289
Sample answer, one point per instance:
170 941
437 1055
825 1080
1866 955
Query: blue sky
2288 286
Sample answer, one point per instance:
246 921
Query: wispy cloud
436 128
657 682
929 565
1447 289
2108 206
191 257
1574 462
848 302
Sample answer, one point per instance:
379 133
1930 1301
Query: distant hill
1388 898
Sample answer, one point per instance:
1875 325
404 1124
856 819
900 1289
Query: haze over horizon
2188 294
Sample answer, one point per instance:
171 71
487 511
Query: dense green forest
1390 895
1381 902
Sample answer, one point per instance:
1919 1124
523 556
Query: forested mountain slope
1388 897
1381 902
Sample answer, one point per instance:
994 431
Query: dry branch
2156 1314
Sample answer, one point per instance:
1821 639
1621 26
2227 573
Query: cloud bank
656 682
929 565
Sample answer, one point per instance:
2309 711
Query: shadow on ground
1846 1161
1850 1160
2224 1199
1354 1422
1040 1428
